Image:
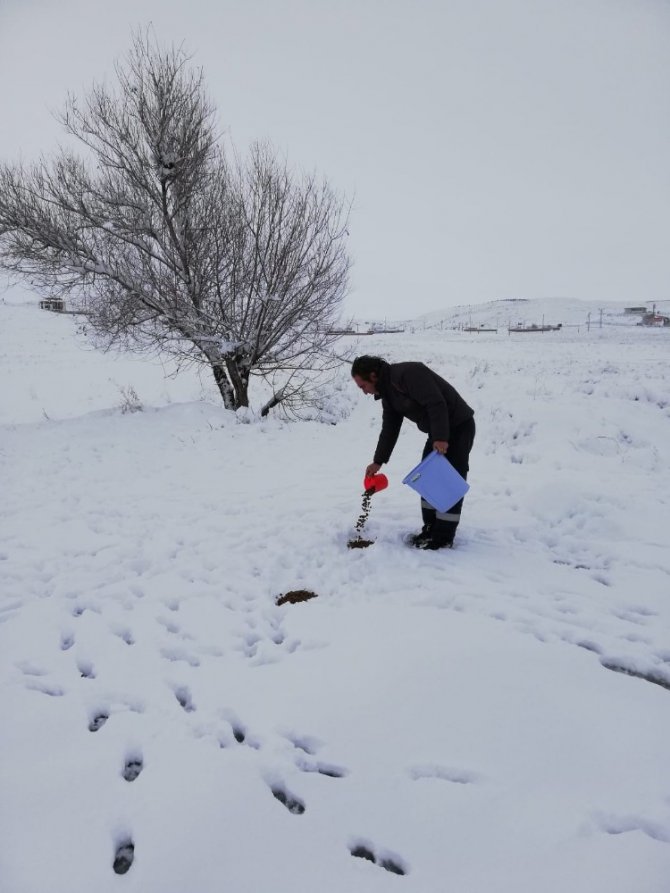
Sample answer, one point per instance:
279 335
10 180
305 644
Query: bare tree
168 245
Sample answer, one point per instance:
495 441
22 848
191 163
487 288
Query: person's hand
372 468
441 446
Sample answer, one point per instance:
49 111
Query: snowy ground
494 719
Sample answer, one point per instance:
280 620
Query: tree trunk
225 388
240 383
275 400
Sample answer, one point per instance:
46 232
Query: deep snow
494 719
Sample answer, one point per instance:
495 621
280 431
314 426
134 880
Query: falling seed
367 502
359 542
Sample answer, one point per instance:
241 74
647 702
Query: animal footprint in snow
362 849
124 856
79 609
612 824
35 680
133 767
169 626
444 773
657 677
86 670
177 654
642 610
240 734
587 645
306 743
46 688
183 695
327 769
30 669
294 805
123 633
97 721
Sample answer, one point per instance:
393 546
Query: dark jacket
413 391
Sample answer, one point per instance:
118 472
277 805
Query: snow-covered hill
492 719
572 312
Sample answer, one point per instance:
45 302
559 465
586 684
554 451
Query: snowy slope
492 719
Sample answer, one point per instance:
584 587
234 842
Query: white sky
515 149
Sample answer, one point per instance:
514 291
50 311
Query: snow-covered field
492 719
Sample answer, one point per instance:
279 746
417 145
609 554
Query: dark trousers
443 524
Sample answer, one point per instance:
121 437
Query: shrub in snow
130 402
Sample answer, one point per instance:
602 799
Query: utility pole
588 321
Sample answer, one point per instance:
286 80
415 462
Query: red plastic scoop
376 482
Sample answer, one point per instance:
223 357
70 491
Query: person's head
365 371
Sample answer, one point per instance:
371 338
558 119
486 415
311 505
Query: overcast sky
493 148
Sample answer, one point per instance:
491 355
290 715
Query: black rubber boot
424 536
443 533
428 517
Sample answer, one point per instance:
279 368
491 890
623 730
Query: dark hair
363 366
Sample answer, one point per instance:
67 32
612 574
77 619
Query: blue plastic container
437 481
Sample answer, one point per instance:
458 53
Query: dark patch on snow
295 596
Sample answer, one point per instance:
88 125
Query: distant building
480 328
535 328
654 319
638 310
56 304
